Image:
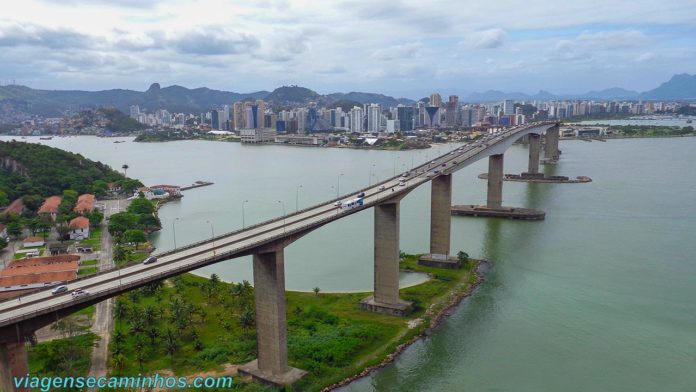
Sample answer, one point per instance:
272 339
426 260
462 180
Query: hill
381 99
682 86
38 170
344 104
291 95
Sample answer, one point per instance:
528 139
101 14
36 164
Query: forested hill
34 171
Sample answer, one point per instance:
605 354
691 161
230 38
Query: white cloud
485 39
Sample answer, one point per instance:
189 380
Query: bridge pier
494 197
386 274
440 225
551 152
271 366
534 146
13 363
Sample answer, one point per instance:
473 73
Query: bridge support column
13 363
440 225
495 181
386 292
534 145
551 153
271 366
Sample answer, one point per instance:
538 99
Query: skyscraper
356 119
238 115
215 119
134 112
452 114
405 117
374 118
435 100
260 112
432 116
508 107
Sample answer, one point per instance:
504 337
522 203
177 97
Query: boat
119 141
46 138
689 121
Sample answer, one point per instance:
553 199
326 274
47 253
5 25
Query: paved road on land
103 312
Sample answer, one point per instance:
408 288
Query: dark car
361 194
150 260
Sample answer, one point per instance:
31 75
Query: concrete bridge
21 317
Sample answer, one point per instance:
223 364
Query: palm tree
153 334
119 362
246 319
125 168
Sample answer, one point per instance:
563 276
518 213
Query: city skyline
400 49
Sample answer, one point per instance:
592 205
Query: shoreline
480 272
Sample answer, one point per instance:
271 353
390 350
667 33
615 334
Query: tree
125 168
316 290
3 243
4 200
14 229
99 187
67 326
128 186
120 254
141 206
463 256
95 218
119 362
135 235
122 221
246 319
63 229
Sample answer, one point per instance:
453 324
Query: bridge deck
227 246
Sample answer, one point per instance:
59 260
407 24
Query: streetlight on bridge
244 202
174 230
371 167
297 197
338 184
212 235
283 204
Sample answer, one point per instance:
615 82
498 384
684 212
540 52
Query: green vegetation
41 171
87 270
195 324
652 130
345 104
140 215
118 122
687 110
89 262
62 357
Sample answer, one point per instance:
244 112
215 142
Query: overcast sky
397 47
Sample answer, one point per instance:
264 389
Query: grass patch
87 271
94 239
196 324
85 263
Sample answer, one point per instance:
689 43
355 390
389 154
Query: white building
374 118
262 135
356 119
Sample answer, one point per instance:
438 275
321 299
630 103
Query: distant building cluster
257 121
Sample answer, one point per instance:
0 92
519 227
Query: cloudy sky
397 47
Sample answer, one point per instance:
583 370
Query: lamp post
371 167
212 235
174 230
338 184
297 197
244 202
283 204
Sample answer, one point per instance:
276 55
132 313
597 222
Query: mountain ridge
176 98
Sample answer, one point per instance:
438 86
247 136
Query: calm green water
598 297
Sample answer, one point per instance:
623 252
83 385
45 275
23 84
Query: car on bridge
79 293
59 289
150 260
